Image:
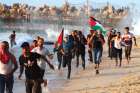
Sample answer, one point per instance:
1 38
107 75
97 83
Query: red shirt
5 57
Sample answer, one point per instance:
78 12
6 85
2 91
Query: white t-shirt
44 51
6 68
117 43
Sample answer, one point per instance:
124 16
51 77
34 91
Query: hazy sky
60 2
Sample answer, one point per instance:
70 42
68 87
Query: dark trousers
42 71
59 57
6 83
82 54
74 52
33 86
118 54
128 51
67 62
109 49
90 55
112 52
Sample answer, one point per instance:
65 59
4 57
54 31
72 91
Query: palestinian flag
59 41
96 25
60 37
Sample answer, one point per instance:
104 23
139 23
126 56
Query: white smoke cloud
136 19
132 19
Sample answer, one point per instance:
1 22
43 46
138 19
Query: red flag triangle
60 37
92 21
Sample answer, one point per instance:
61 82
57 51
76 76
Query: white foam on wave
52 35
23 38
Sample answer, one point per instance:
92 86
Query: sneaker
97 72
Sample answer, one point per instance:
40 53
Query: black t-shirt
82 42
32 71
97 43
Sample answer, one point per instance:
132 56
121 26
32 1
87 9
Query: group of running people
35 56
116 42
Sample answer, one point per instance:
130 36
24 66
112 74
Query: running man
81 49
8 65
28 60
40 49
109 35
58 48
90 46
97 49
67 54
101 37
127 39
118 48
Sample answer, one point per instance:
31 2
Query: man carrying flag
67 54
65 51
58 47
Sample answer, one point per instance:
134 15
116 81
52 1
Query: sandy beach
31 18
110 80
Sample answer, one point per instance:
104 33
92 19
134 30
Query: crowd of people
35 56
